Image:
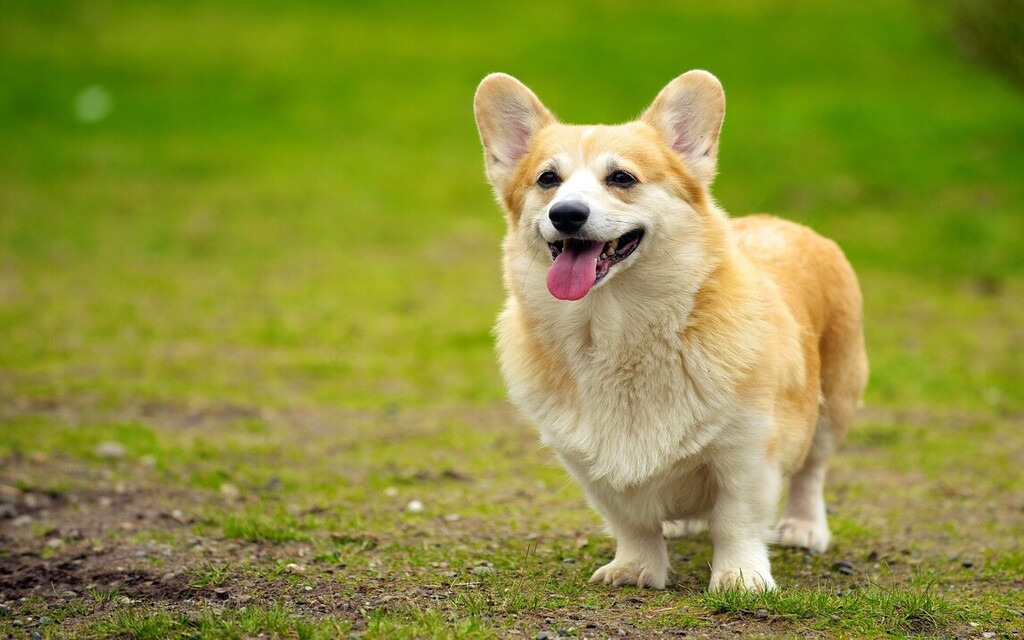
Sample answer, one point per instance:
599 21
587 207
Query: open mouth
580 264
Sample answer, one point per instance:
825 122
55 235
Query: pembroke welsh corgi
681 364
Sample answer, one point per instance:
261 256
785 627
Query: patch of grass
411 622
212 575
259 526
253 621
869 611
112 594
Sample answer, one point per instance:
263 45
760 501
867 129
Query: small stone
141 554
482 570
843 568
391 492
230 491
452 517
35 635
543 635
109 450
988 634
178 516
291 567
761 613
17 623
22 520
54 543
414 506
44 620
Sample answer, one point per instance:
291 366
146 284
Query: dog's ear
508 115
688 114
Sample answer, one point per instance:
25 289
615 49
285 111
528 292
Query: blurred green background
283 204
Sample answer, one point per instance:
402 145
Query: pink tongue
573 272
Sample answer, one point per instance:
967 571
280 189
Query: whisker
527 274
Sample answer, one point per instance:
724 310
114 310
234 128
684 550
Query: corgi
681 364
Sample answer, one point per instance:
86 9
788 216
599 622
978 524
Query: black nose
569 217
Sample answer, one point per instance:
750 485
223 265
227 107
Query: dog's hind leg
844 376
804 523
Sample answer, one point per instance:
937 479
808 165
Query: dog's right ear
688 113
508 115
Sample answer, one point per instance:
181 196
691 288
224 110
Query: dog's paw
619 573
735 578
683 528
807 534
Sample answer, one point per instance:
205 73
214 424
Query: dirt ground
107 541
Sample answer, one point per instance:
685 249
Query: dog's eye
549 179
621 179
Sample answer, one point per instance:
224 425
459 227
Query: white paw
683 528
808 534
618 573
743 579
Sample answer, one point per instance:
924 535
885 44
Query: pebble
109 450
294 568
35 635
22 520
543 635
44 620
414 506
482 570
843 568
17 623
391 492
761 613
54 543
230 491
68 595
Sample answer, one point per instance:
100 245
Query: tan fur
719 358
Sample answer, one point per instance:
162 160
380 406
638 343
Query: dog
682 365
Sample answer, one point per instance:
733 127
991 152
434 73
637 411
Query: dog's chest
636 403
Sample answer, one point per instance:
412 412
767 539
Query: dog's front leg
641 557
739 525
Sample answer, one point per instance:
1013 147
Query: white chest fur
640 400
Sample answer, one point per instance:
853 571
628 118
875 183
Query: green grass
275 621
271 272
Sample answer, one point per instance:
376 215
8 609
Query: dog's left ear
508 116
688 114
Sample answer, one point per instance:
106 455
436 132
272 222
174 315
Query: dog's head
597 199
